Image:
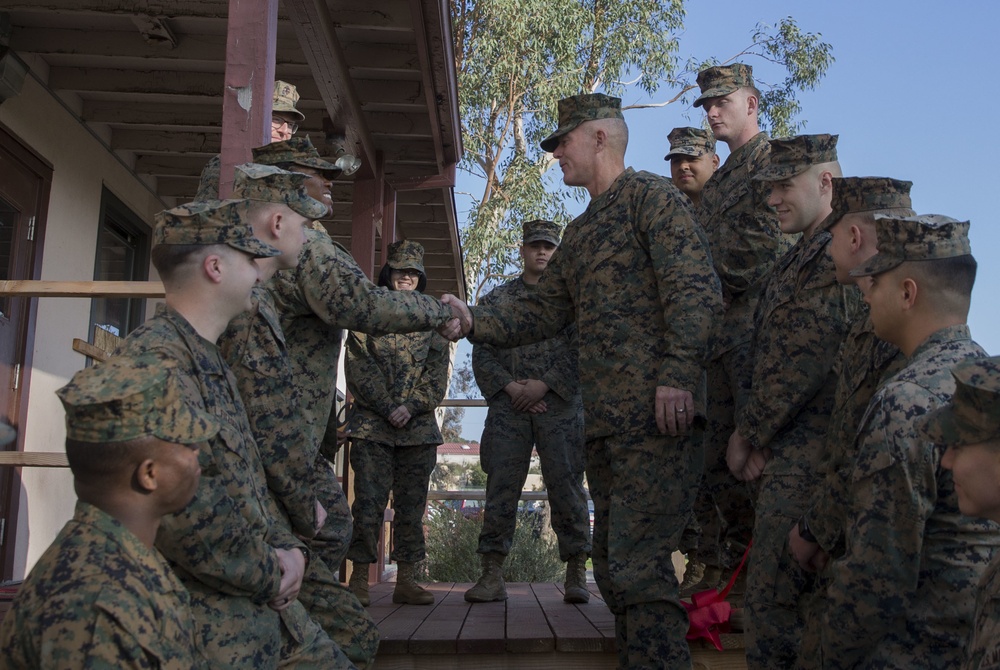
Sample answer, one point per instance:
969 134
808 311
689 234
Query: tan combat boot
576 580
490 586
407 591
710 579
359 583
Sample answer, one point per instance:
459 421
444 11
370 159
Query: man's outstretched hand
459 311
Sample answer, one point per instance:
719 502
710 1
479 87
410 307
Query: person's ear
145 476
212 266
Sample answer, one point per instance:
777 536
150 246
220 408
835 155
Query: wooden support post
366 216
388 219
249 83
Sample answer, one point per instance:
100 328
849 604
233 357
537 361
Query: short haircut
101 461
868 218
949 281
167 258
617 132
385 279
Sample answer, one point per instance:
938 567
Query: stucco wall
82 166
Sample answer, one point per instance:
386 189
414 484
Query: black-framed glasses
277 122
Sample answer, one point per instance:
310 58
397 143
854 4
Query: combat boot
407 591
694 572
490 586
359 583
709 580
576 580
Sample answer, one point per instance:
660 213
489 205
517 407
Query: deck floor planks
484 629
570 626
399 625
438 634
527 629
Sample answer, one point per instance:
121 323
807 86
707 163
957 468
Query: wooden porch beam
318 39
388 219
251 39
81 289
366 217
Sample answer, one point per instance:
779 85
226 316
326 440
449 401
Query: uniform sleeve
542 314
364 377
563 376
340 294
687 284
893 491
794 356
491 375
429 390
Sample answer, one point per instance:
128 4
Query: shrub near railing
452 539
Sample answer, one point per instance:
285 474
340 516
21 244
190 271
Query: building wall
81 166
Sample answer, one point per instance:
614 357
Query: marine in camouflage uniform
969 426
326 293
297 475
283 102
902 595
633 272
510 434
223 545
865 361
386 374
745 242
101 596
799 327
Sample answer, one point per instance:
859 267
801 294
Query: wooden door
24 190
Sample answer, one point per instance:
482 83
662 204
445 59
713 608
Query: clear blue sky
910 94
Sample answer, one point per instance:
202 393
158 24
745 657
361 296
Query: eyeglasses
277 122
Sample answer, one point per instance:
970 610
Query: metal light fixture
336 140
348 163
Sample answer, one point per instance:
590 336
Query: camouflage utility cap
915 238
131 397
578 109
690 142
973 416
297 151
406 255
266 183
540 230
722 80
857 195
211 222
285 97
792 156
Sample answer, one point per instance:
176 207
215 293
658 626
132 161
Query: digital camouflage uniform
509 435
284 98
384 372
99 597
222 544
799 327
633 272
902 595
325 294
865 361
745 242
254 347
973 418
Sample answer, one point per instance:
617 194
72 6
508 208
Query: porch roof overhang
148 77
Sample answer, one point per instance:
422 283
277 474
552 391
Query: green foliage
516 58
476 477
452 540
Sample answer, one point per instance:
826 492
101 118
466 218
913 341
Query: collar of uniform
812 246
954 333
611 194
195 343
116 532
739 157
267 311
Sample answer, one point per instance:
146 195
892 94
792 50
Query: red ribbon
709 612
